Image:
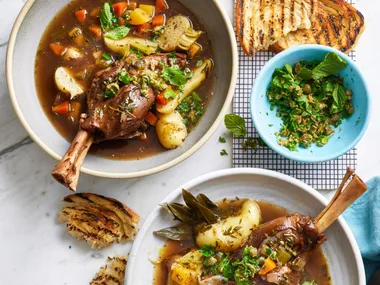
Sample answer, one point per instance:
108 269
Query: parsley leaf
174 76
107 56
169 94
107 18
339 99
223 152
207 250
117 33
222 140
235 124
199 63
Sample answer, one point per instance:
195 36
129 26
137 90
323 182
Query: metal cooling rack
326 175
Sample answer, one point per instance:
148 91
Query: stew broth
316 269
47 62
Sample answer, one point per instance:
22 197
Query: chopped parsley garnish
124 77
174 76
107 56
117 33
222 140
199 63
310 100
223 152
136 51
207 250
191 110
169 94
109 94
235 124
172 54
250 143
107 17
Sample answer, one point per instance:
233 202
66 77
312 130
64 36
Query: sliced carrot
194 48
161 6
62 108
58 49
158 20
161 99
143 28
119 8
96 31
151 118
268 266
96 12
81 16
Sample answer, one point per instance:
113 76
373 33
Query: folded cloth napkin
363 217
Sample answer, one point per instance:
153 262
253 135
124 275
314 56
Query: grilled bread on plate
112 273
99 220
261 23
337 24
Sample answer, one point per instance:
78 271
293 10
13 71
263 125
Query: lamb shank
117 106
298 234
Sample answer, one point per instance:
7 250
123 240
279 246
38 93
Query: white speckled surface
36 250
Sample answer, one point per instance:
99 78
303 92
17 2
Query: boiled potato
122 46
170 129
199 75
66 83
238 229
174 29
139 17
72 53
187 269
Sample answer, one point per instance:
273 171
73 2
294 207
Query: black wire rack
326 175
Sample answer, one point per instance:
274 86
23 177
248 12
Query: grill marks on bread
98 220
261 23
112 273
337 24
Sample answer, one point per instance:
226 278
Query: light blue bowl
346 136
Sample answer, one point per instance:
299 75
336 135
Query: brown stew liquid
47 62
316 269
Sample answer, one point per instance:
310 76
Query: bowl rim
12 94
137 244
267 69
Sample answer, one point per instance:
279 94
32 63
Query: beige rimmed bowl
23 44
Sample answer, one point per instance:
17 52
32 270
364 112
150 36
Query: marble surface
36 250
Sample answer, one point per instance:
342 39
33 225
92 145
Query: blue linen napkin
363 217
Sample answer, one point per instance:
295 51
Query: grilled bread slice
337 24
112 273
99 220
261 23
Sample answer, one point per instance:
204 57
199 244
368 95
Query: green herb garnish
235 124
117 33
174 76
199 63
191 110
222 140
223 152
169 94
107 17
207 250
107 56
310 100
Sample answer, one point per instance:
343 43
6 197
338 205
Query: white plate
341 249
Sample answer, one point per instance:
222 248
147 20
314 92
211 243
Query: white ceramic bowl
22 48
341 249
